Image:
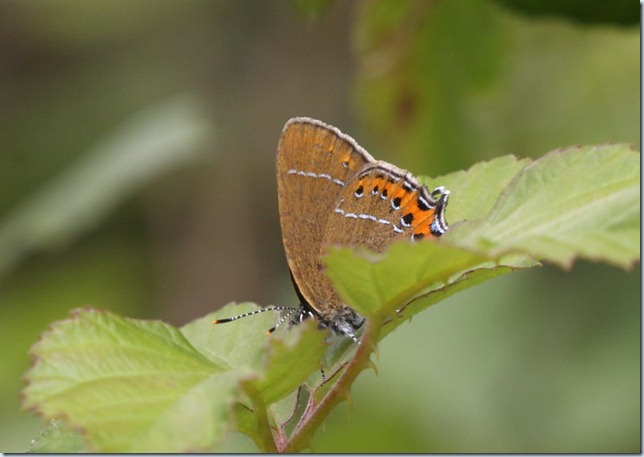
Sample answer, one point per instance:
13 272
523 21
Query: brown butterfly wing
314 163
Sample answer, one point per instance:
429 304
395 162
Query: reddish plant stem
303 434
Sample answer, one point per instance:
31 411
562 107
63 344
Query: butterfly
331 191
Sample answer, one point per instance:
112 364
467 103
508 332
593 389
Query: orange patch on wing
389 186
404 195
423 219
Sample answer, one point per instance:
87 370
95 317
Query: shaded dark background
538 361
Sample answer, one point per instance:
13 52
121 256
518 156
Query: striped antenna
284 318
263 310
301 314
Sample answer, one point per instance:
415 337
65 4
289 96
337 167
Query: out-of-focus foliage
584 11
538 361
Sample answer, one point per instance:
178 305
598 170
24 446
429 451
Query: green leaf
118 379
576 202
141 386
379 285
291 361
283 360
475 191
56 438
285 410
234 344
198 419
477 275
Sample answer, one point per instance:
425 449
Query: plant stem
303 434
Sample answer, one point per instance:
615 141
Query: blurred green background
137 157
